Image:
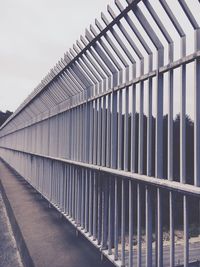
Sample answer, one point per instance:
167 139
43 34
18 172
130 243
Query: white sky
34 34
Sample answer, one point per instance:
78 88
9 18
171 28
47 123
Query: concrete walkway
9 254
51 241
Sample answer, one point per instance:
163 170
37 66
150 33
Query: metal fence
100 140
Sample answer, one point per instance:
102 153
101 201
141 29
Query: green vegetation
4 116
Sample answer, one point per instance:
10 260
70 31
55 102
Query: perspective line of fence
111 135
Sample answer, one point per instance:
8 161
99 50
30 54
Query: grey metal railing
98 137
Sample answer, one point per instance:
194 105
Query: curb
21 245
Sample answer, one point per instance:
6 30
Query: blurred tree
4 116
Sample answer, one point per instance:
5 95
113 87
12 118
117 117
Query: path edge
21 244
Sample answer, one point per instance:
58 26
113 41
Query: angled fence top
116 119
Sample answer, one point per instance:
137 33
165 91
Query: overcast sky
34 34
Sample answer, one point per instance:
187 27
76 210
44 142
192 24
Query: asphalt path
9 254
51 241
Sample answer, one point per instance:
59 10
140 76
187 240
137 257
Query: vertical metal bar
170 127
139 232
99 141
59 181
116 221
126 130
86 200
130 223
148 227
80 196
74 193
149 130
114 130
95 206
108 138
68 188
95 134
72 132
104 214
99 210
75 196
110 213
90 203
133 130
123 223
141 129
197 113
119 131
91 132
103 141
78 136
83 199
159 156
182 126
186 231
80 133
159 126
67 200
56 182
87 131
62 187
159 228
171 222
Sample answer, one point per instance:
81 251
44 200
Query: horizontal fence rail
111 136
